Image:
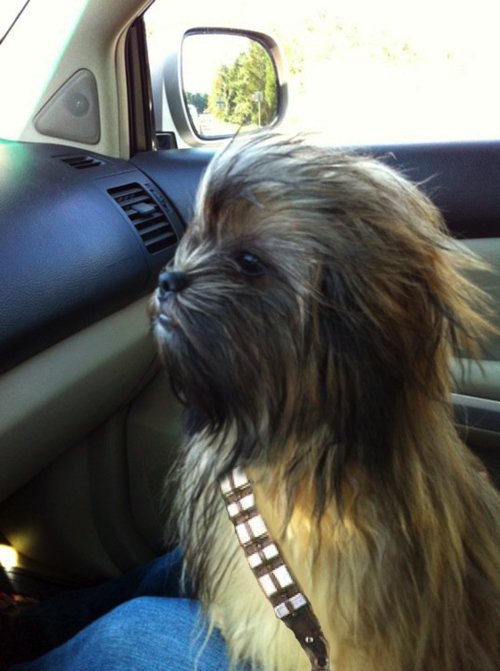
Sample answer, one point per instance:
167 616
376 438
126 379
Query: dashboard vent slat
82 162
147 217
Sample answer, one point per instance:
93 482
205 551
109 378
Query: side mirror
224 82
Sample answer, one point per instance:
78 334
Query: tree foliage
245 92
199 100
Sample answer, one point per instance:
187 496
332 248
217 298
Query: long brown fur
322 301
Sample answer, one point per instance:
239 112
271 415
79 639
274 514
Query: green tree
221 97
199 100
245 92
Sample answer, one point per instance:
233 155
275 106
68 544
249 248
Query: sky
448 91
435 20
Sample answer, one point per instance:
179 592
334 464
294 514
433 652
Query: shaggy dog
308 322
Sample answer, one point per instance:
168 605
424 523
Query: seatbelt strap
275 578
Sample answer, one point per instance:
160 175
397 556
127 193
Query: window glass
9 11
371 72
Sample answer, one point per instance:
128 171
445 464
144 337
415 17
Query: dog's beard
233 354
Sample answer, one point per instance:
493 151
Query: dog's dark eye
250 265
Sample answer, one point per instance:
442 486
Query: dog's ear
386 333
359 375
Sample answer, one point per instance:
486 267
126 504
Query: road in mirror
229 84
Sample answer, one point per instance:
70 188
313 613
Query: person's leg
30 631
144 634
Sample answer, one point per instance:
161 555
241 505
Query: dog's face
312 292
231 317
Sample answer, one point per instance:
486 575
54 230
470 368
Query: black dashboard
81 236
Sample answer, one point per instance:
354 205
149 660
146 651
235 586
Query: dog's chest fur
242 612
238 607
385 594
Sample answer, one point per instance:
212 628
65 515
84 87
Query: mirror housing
202 117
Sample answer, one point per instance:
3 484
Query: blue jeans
140 622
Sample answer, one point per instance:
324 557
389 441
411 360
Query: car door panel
52 400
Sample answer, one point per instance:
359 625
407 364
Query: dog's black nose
171 281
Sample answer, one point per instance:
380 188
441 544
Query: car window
9 11
369 72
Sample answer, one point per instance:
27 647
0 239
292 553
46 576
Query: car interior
94 197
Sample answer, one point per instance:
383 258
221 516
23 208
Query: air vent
81 162
146 215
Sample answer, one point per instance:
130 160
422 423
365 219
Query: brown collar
275 578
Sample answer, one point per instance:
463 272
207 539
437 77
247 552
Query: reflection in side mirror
229 84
